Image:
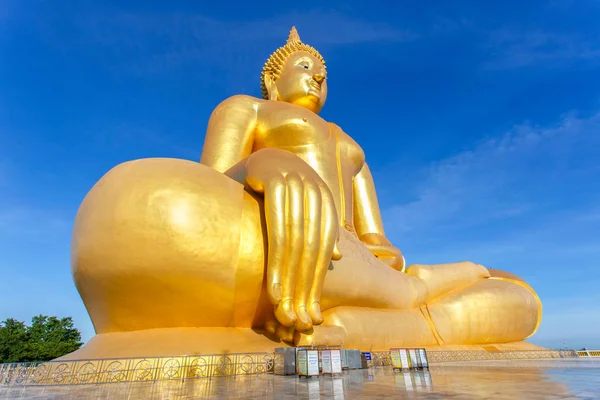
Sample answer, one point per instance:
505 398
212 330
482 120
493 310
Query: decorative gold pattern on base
381 358
134 369
588 353
208 366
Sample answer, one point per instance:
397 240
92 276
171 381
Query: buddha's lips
315 84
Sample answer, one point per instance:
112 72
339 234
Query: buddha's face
303 81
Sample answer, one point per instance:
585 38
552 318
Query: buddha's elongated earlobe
271 87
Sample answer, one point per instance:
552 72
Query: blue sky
480 123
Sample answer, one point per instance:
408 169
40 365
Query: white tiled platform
523 379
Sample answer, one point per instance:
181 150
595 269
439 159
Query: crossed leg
371 306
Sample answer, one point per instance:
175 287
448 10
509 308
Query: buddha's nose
319 78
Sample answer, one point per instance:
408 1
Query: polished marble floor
524 379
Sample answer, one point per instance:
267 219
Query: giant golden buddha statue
274 238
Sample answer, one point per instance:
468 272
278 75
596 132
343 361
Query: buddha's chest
304 133
284 125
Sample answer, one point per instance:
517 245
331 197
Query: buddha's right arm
230 133
301 227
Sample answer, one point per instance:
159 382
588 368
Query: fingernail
277 291
285 313
315 313
304 321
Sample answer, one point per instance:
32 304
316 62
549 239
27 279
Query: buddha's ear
271 87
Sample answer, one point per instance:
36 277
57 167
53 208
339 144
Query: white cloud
503 177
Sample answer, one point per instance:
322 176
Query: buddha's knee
493 310
168 243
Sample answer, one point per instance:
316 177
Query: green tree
13 339
47 338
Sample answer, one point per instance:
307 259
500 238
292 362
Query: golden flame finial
274 64
293 37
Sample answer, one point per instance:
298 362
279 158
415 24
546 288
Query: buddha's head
295 73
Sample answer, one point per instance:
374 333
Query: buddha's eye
304 65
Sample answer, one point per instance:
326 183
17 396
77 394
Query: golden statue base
191 366
177 341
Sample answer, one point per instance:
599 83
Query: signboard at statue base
399 359
414 360
395 356
307 362
301 363
326 361
409 359
331 361
404 359
423 358
313 362
336 361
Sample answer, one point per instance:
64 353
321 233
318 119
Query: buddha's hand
302 233
381 247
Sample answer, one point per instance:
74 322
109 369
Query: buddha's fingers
275 216
274 328
294 248
329 237
285 333
271 324
312 243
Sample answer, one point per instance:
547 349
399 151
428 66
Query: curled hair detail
274 64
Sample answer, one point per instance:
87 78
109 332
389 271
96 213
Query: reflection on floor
524 379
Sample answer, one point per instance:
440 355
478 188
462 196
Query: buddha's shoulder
241 100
